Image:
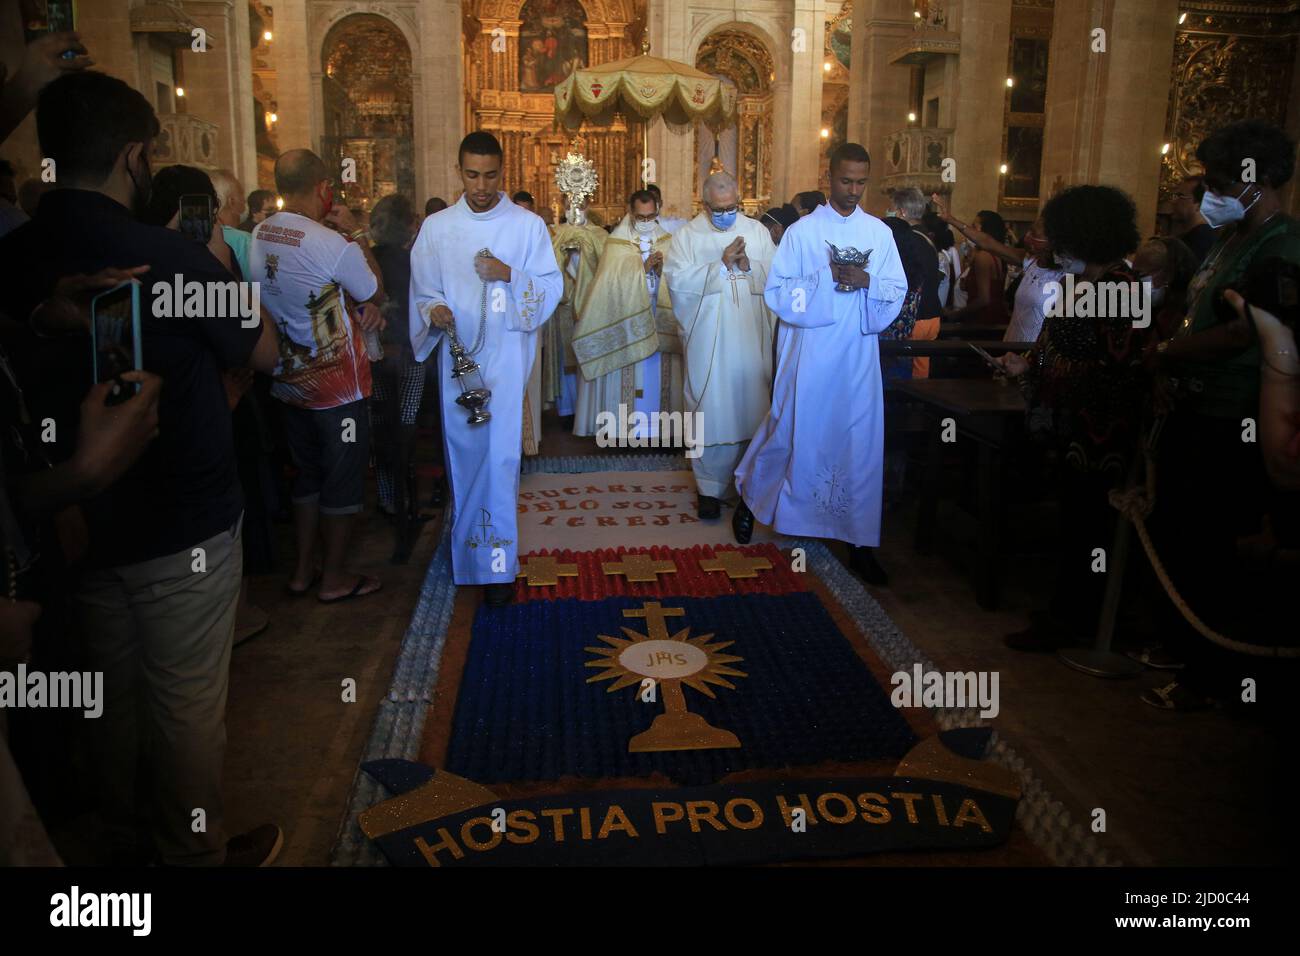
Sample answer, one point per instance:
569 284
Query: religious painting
1024 162
1029 69
552 43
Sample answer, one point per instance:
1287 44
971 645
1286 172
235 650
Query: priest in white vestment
497 304
626 340
717 268
816 464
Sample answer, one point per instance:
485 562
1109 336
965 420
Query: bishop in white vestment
717 285
816 464
483 459
626 340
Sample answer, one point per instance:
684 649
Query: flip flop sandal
1156 658
1174 697
311 586
356 591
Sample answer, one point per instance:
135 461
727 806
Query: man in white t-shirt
322 287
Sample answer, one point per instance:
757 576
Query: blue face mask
723 220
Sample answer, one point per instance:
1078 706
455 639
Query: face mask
1069 264
1221 210
644 228
724 220
892 214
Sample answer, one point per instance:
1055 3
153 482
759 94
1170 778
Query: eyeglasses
732 208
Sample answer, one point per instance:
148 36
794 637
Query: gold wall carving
746 61
1227 67
524 121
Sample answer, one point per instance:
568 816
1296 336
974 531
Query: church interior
389 730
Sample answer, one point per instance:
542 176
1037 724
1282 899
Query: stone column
979 95
878 89
796 155
1106 111
219 84
294 66
673 155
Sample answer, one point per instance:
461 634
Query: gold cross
541 571
656 617
735 563
638 567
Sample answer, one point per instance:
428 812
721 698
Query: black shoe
862 561
566 422
742 523
498 595
707 507
257 847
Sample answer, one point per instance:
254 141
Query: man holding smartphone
162 574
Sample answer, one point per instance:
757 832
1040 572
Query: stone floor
1177 789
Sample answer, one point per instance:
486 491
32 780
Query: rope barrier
1135 504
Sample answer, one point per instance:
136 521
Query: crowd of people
136 507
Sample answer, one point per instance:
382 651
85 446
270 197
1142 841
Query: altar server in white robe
816 464
501 300
716 270
626 339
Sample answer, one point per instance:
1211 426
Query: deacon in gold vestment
626 339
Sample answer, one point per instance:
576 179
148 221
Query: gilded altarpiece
1231 62
512 51
746 61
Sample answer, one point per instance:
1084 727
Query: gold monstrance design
670 662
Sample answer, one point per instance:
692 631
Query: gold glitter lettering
584 818
430 853
874 808
557 816
939 811
825 813
970 813
661 812
756 814
697 810
910 800
616 819
808 814
523 820
467 834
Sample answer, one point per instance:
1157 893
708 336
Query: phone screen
47 16
196 218
114 330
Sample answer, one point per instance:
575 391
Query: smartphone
992 362
115 336
48 16
196 217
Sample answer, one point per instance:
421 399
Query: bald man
230 212
313 271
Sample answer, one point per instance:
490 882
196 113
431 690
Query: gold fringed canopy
645 87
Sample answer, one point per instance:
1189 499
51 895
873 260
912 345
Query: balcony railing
185 139
926 44
914 157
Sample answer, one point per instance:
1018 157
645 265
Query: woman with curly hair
1086 386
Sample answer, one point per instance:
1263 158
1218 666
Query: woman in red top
985 280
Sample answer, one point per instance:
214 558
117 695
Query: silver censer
848 257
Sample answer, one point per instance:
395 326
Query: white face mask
644 228
1222 210
1069 264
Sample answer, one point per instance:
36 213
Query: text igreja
954 689
80 691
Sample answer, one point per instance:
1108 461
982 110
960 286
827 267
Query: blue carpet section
525 711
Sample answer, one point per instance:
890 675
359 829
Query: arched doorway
744 150
369 114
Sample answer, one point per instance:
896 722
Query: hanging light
911 117
180 91
1010 82
274 117
1003 169
1182 18
826 134
279 202
267 36
1164 150
826 66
